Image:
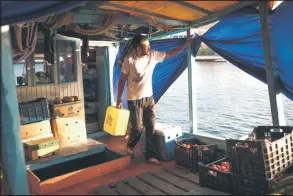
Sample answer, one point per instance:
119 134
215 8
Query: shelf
90 63
93 127
91 110
89 76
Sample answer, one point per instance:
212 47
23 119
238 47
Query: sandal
130 152
154 161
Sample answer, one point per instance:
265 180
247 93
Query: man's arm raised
179 49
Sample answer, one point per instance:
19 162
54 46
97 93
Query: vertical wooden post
271 72
107 76
191 89
13 163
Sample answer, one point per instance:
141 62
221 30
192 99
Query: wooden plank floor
168 181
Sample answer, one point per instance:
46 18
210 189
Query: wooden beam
138 10
272 75
194 7
12 154
191 89
217 15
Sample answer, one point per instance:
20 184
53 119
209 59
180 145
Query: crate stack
255 165
36 130
68 123
189 152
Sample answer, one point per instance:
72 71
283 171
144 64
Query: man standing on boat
138 69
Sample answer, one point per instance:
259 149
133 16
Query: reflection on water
229 101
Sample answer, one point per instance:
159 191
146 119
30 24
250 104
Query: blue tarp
165 73
13 12
238 39
282 45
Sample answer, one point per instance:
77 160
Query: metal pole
13 163
271 72
191 89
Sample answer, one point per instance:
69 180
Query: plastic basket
189 157
215 179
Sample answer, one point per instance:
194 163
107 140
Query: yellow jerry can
116 121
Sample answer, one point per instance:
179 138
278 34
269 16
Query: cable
110 20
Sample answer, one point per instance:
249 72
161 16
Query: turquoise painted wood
103 82
13 162
107 76
191 89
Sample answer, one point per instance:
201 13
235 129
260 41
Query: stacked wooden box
68 123
36 130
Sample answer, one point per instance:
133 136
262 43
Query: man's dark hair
136 41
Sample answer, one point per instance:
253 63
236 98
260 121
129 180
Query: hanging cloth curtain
23 41
238 39
281 41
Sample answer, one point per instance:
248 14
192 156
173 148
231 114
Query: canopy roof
177 10
118 19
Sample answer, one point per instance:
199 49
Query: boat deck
167 181
139 177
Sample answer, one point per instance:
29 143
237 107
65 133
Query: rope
57 21
158 26
109 21
24 24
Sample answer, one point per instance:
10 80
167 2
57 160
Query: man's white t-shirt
140 72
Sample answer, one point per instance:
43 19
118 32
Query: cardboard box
67 109
41 148
72 138
37 129
69 124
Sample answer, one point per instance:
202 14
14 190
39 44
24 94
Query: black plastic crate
215 179
262 158
189 157
34 111
258 185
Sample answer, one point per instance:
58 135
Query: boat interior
60 63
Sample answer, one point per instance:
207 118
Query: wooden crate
41 148
86 168
69 124
67 109
37 129
72 138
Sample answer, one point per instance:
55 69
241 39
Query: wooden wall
54 90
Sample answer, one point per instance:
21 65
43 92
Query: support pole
272 75
191 89
13 163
